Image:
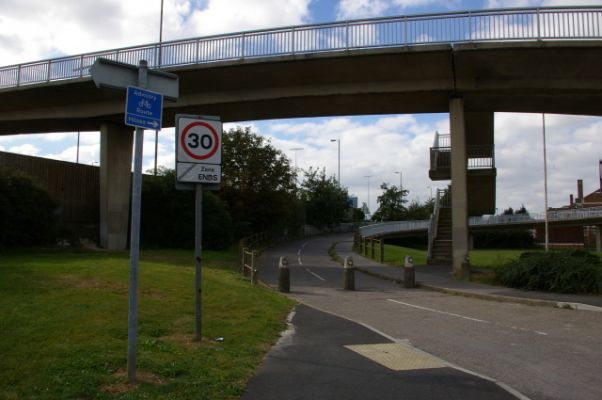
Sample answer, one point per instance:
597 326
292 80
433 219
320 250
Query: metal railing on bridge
576 214
519 24
593 214
480 156
384 228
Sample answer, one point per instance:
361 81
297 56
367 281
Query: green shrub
27 211
168 215
556 271
504 239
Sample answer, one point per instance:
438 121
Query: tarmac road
541 352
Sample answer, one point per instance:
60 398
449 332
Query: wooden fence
370 247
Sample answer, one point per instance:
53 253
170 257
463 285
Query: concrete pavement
324 357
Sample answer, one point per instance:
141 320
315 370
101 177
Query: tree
417 211
325 202
391 204
520 211
168 215
251 164
258 184
28 214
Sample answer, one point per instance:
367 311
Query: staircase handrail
433 225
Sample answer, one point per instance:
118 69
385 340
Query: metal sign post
143 111
135 236
198 166
198 253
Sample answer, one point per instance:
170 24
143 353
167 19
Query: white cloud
220 16
539 3
511 3
573 144
31 30
58 136
352 9
27 149
377 148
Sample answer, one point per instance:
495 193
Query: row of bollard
284 275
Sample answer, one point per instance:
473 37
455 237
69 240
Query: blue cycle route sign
143 108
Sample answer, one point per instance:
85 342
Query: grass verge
395 255
63 318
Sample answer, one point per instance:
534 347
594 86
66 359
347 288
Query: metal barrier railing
398 226
480 156
249 249
518 24
477 157
583 214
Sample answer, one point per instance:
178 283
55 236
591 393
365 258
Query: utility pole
369 176
400 180
339 169
159 66
545 181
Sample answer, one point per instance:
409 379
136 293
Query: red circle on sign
215 140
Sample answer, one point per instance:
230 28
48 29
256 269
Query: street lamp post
296 149
545 181
339 168
368 176
400 179
159 66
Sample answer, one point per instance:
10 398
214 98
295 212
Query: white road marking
516 328
299 253
316 275
440 312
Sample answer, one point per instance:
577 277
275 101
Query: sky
378 146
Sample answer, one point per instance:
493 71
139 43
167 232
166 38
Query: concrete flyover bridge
470 64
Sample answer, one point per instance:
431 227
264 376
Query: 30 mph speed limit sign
198 149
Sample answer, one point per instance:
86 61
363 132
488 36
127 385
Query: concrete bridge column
459 194
115 185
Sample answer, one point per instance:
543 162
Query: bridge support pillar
115 184
461 268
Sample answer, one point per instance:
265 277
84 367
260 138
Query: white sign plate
198 140
198 173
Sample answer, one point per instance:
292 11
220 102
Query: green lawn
395 255
63 324
493 258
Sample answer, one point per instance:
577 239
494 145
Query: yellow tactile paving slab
396 356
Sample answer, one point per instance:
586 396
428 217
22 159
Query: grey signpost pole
198 253
135 235
121 76
198 168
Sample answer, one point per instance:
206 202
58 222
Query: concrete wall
74 186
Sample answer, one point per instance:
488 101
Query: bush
557 271
168 216
504 239
27 211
